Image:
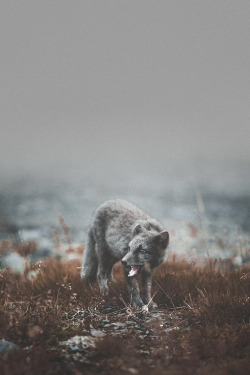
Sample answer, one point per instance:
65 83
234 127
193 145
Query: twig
165 294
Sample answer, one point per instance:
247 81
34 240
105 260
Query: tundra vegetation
63 325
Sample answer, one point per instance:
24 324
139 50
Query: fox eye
141 249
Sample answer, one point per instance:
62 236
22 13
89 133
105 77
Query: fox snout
125 260
130 260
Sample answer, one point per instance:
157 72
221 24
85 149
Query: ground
64 326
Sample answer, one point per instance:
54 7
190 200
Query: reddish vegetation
202 324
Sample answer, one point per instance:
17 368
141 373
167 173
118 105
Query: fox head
147 247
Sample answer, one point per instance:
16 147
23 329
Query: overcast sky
123 83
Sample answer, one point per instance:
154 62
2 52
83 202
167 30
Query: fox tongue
133 271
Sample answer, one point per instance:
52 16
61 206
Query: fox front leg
147 287
134 291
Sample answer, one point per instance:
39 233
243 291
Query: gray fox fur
122 231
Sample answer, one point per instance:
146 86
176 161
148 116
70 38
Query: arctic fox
122 231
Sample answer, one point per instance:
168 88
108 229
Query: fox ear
163 238
137 229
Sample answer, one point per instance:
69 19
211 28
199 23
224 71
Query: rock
145 353
132 370
118 325
15 261
155 314
97 333
74 348
137 327
7 347
79 342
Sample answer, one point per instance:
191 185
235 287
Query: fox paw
145 308
104 290
153 306
140 306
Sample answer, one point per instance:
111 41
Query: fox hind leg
90 261
105 265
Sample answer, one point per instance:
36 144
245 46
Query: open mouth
134 271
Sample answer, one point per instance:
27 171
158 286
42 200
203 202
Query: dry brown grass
208 309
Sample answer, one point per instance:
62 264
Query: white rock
83 342
15 261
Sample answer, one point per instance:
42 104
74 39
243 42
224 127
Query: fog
123 85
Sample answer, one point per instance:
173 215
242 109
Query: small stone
107 310
97 333
83 342
118 325
132 370
156 314
15 261
6 346
74 348
138 327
